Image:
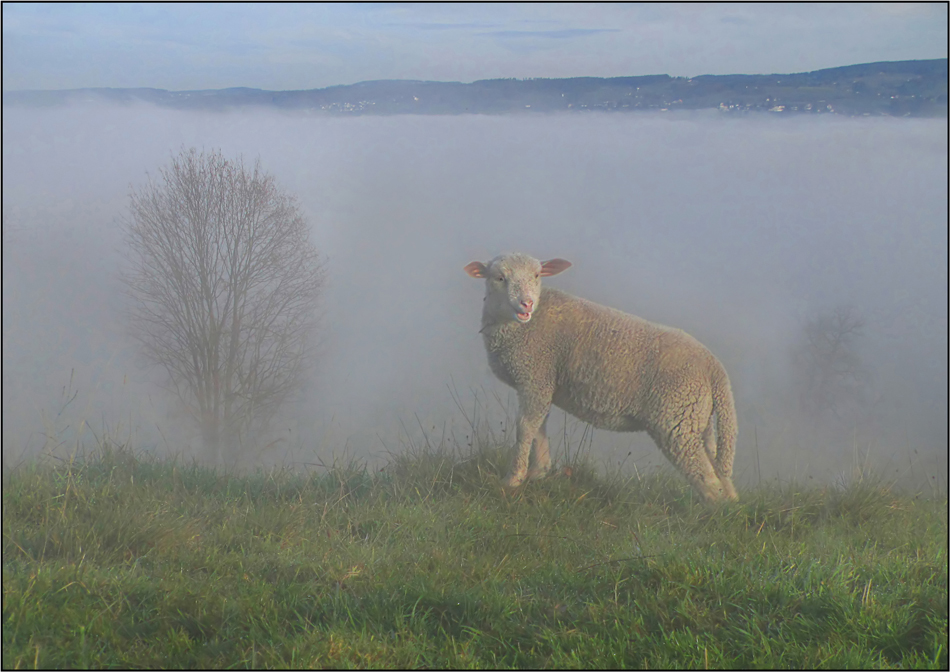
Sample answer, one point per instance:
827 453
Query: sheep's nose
527 304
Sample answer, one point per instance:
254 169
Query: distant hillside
898 88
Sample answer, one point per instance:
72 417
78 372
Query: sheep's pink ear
477 269
554 266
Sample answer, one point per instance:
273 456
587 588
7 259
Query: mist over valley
738 230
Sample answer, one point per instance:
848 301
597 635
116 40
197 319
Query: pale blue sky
304 46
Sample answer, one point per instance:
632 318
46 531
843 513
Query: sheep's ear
477 269
554 266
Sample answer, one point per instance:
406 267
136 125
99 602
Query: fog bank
736 230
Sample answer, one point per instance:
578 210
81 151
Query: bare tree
831 375
224 282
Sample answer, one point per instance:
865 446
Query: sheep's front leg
532 414
541 462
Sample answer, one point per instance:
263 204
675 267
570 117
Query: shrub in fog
224 283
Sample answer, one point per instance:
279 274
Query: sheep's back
602 356
615 370
604 366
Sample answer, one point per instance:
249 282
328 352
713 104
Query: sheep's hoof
726 492
729 490
513 481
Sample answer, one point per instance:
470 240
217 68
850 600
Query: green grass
123 561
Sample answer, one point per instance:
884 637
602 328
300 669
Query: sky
276 46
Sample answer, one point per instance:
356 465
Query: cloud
444 26
302 46
737 20
568 33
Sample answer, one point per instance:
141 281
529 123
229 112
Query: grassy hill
118 560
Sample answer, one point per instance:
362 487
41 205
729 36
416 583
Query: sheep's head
513 284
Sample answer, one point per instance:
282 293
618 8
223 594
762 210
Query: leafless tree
224 283
831 375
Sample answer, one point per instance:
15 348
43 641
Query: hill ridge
889 88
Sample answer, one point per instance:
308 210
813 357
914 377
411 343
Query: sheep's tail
727 428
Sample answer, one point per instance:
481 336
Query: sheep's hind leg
688 455
541 454
728 490
708 483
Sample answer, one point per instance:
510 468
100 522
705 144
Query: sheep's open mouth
523 317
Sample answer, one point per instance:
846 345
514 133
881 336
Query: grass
119 560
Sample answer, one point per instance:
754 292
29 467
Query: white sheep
613 370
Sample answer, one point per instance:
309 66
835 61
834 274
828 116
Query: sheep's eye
500 278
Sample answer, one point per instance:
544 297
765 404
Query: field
119 560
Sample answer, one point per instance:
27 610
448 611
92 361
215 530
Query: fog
736 230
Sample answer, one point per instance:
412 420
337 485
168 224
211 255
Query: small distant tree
224 283
831 375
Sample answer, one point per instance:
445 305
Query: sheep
613 370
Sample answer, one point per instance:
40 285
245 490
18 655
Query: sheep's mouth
522 317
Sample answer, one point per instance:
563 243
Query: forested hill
895 88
